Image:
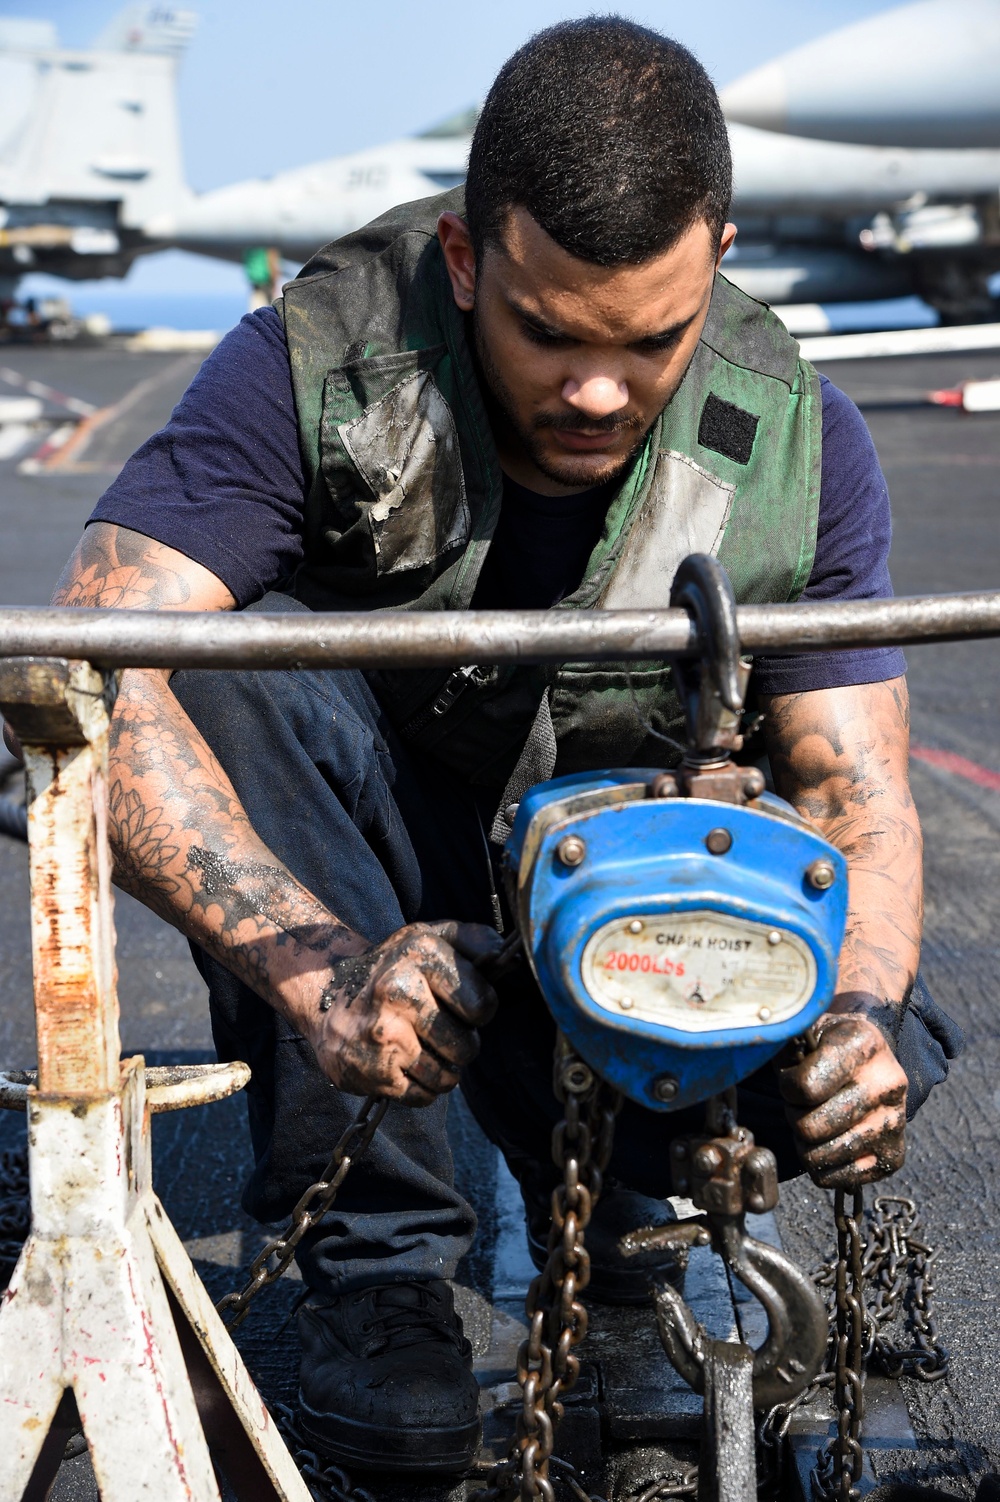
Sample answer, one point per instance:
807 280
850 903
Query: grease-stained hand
847 1103
400 1019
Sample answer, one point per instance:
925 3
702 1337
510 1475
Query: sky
268 86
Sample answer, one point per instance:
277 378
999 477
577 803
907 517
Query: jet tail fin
148 28
89 143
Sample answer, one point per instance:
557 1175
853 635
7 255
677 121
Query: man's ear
460 259
726 243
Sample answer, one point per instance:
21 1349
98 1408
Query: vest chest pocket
396 472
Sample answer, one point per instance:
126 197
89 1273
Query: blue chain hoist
683 926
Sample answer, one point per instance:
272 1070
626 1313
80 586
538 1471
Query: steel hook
797 1323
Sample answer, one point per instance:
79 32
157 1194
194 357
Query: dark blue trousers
383 839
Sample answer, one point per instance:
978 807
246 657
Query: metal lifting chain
898 1259
547 1366
896 1266
838 1467
273 1258
683 1483
326 1481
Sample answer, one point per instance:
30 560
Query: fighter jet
89 144
922 75
867 165
300 210
903 106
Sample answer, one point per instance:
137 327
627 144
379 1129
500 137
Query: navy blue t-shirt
223 483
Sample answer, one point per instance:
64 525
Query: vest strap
536 763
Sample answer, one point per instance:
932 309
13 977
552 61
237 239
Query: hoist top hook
702 587
712 691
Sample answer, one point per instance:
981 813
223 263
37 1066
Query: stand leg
728 1470
49 1460
30 1381
240 1429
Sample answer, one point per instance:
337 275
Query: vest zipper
452 689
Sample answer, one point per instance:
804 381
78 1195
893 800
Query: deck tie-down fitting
104 1300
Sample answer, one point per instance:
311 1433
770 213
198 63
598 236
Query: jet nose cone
759 98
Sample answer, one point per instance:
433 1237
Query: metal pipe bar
446 638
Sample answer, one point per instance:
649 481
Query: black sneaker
614 1279
386 1380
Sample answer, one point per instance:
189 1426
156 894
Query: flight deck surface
942 467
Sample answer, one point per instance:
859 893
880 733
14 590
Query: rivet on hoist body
684 926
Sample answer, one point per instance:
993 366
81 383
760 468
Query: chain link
273 1258
327 1482
547 1366
899 1263
682 1483
772 1432
897 1272
838 1465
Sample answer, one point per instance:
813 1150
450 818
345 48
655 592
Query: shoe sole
365 1447
618 1289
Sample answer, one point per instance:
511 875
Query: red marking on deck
961 766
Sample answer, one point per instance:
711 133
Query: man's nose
595 396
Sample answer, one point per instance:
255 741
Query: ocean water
174 289
894 313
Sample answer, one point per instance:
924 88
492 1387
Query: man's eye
544 337
657 345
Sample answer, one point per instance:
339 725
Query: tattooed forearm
182 842
397 1017
183 845
840 756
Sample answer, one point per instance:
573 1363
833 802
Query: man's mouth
582 442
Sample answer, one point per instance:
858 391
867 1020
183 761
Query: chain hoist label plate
699 971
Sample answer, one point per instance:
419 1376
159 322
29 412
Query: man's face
580 359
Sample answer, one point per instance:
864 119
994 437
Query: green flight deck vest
404 493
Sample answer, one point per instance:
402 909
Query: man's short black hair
610 135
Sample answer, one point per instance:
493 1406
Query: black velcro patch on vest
727 429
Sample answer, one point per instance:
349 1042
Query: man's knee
280 721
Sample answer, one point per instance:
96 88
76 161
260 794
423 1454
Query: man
544 399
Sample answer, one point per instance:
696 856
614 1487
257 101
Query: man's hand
847 1104
400 1019
840 756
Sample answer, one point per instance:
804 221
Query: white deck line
952 340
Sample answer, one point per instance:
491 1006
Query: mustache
576 422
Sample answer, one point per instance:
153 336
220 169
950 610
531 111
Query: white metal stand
104 1301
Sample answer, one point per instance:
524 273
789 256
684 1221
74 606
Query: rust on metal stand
104 1303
